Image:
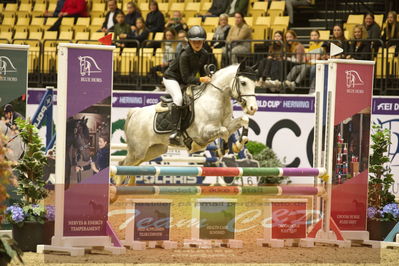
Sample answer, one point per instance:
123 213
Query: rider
10 116
187 68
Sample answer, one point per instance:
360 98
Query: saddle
162 119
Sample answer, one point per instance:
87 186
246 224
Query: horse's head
243 89
82 138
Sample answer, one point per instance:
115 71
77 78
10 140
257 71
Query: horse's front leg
234 125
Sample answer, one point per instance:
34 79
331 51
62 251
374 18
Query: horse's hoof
113 196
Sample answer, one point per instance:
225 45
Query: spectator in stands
338 38
217 8
390 30
175 22
109 21
221 32
238 38
121 28
183 43
373 30
169 53
237 6
60 4
155 21
274 57
359 48
295 50
299 72
290 4
133 13
71 8
141 32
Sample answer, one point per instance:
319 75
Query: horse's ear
242 66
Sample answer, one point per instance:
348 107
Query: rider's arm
186 75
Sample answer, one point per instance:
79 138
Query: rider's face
7 115
197 45
101 143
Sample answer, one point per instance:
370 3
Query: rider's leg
173 88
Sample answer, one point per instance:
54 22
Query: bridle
236 87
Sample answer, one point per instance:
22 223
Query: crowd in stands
283 53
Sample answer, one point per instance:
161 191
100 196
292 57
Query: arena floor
221 256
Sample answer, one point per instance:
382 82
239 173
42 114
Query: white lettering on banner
151 101
384 106
353 91
270 103
133 100
396 106
89 79
296 104
8 78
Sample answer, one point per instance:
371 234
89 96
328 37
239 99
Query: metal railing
140 67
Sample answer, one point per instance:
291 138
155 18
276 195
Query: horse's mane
225 71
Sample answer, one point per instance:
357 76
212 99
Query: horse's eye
243 83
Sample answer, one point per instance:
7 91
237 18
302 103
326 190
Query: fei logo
353 79
6 66
88 65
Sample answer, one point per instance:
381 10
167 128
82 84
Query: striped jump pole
215 171
286 190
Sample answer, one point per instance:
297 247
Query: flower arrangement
382 206
31 186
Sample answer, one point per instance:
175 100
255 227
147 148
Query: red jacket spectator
75 8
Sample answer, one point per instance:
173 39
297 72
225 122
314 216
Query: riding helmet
196 33
8 108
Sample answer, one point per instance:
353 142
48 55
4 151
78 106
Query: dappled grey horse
213 117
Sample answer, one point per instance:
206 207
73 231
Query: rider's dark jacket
187 65
15 115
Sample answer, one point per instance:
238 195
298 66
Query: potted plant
383 212
8 247
29 215
266 158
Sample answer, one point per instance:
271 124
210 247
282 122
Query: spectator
238 36
183 43
359 48
237 6
155 21
217 8
390 30
121 28
133 13
274 57
373 30
109 22
140 33
71 8
338 38
221 32
175 22
169 53
295 50
299 72
60 4
290 4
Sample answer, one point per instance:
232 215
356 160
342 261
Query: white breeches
173 88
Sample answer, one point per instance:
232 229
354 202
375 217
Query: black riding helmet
196 33
8 108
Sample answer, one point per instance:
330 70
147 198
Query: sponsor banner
282 122
13 72
83 133
288 220
385 112
352 85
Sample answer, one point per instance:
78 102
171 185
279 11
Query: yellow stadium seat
217 52
276 9
6 35
94 36
259 9
49 59
52 6
281 20
39 9
192 21
177 7
231 21
10 9
129 62
21 28
145 9
25 7
82 24
35 35
192 9
158 36
249 20
324 34
352 21
50 21
79 36
261 28
146 60
117 60
21 35
68 21
66 35
379 19
6 28
50 35
97 9
33 58
23 21
37 24
205 7
163 7
209 36
97 22
8 21
210 23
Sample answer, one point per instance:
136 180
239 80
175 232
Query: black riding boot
175 138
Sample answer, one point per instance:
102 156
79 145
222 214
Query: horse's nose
253 109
